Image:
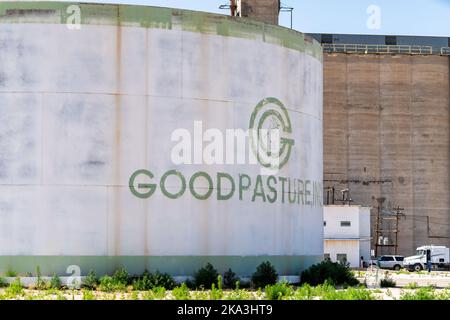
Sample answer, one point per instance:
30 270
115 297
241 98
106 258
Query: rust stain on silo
117 210
146 219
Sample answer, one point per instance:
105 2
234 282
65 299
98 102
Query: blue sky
400 17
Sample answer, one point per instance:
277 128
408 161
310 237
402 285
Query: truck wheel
397 267
417 267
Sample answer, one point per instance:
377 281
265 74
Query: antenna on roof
285 8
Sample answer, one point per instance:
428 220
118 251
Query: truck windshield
420 252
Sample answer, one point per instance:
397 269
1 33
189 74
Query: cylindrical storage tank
127 139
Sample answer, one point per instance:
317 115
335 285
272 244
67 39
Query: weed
60 296
348 294
387 282
444 295
420 294
91 281
143 283
200 295
134 295
10 273
157 293
238 294
216 294
109 284
121 277
181 292
278 291
377 291
412 285
148 281
305 292
41 284
55 282
15 288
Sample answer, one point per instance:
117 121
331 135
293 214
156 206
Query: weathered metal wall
82 110
386 135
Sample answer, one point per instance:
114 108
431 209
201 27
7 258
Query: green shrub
305 292
164 280
55 282
229 279
142 283
278 291
158 293
244 284
264 275
10 273
110 284
420 294
387 283
91 281
181 292
88 295
149 281
348 294
190 283
15 288
333 272
412 285
205 276
3 282
121 277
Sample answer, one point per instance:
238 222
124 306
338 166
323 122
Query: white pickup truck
438 255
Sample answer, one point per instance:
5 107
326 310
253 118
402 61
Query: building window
346 223
391 40
341 257
324 223
387 258
327 38
326 256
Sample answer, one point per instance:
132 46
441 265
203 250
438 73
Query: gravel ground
437 279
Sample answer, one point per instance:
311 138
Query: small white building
347 233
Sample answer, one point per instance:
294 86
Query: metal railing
383 49
445 51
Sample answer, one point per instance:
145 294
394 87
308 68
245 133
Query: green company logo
270 114
270 142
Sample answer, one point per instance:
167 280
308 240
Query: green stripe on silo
159 18
174 265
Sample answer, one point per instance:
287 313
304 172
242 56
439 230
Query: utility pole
377 230
390 230
397 216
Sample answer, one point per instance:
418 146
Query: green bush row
206 277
